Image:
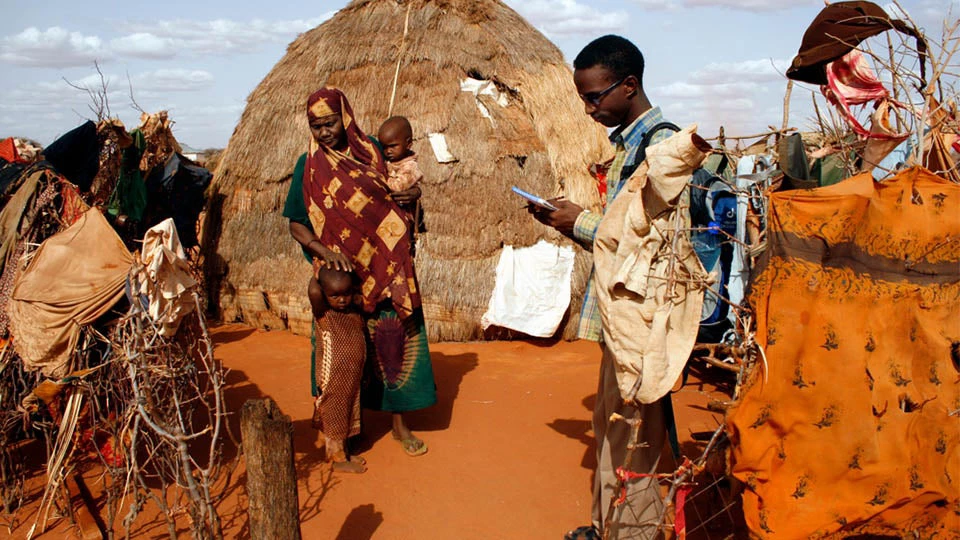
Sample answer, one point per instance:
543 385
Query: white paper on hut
439 144
479 87
532 291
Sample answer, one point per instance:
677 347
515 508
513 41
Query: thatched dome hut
531 132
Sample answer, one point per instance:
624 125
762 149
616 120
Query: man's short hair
615 53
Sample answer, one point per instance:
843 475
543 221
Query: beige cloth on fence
12 214
165 277
649 281
74 277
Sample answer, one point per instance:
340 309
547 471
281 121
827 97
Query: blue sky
715 62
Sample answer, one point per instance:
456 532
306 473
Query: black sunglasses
594 98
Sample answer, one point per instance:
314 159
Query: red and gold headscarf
351 210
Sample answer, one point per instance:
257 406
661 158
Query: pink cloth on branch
850 81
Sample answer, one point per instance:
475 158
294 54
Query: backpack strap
724 163
641 154
648 136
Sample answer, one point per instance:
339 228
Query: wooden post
274 510
86 522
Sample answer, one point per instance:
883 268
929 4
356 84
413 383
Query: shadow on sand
307 458
222 337
581 430
361 523
448 372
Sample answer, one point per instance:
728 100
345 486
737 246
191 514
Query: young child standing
341 350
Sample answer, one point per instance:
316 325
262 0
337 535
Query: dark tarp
76 155
176 190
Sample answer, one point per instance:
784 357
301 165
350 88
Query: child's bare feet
352 464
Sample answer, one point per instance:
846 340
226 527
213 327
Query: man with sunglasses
608 74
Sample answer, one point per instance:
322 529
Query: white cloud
45 110
740 96
759 71
742 109
745 5
931 15
727 90
57 92
166 38
741 5
57 47
144 45
171 80
33 100
738 117
199 116
724 107
210 111
54 47
722 91
657 5
934 8
200 126
569 18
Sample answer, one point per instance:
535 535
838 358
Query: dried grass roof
542 141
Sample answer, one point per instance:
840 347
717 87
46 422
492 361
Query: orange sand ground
511 450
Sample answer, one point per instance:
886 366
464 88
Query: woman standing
343 216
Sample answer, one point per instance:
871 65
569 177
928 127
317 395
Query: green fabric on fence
829 170
129 197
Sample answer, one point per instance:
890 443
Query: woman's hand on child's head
339 261
407 196
336 261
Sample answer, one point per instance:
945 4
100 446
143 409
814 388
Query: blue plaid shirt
627 142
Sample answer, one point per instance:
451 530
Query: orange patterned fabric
73 206
351 211
854 426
